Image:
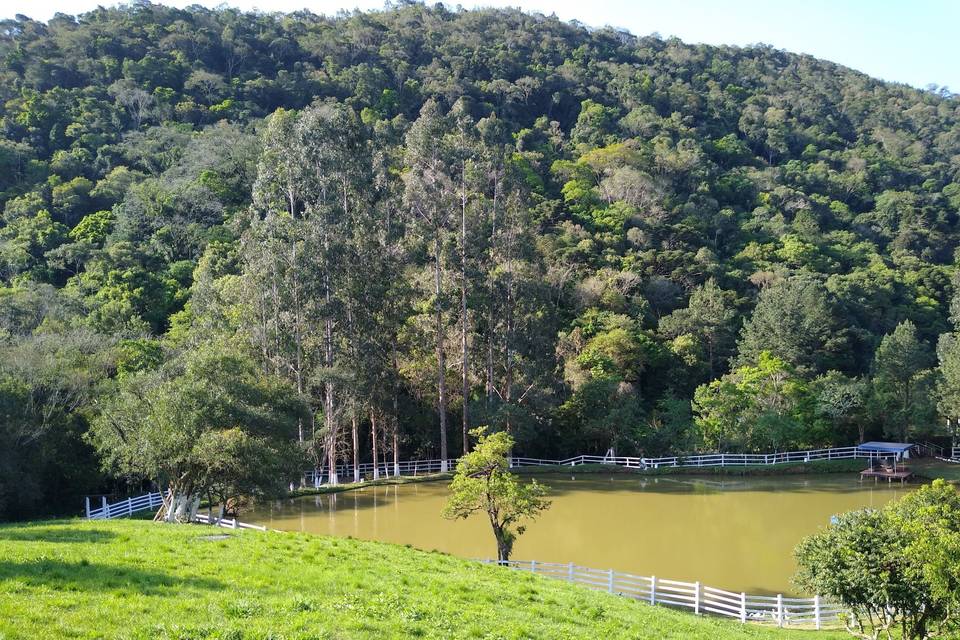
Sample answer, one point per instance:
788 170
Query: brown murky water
735 534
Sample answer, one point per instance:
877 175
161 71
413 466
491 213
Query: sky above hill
913 42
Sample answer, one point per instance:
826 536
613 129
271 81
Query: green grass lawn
932 469
137 579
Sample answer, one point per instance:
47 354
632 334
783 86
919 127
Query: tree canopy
426 216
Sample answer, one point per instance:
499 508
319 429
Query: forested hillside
373 231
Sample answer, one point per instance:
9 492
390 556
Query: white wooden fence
123 507
228 523
153 501
701 599
421 467
345 473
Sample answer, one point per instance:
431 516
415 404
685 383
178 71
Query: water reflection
732 533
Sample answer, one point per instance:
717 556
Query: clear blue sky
911 41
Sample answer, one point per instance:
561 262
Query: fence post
779 609
610 585
533 566
653 589
570 572
696 597
816 611
106 509
129 506
86 500
743 607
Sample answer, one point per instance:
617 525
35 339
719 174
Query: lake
736 533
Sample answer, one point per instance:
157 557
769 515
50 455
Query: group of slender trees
356 270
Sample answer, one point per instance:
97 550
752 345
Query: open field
135 579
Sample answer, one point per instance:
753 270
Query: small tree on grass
896 569
482 483
207 424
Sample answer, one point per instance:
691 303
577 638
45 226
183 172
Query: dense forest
367 234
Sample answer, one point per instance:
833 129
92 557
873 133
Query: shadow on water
88 576
56 534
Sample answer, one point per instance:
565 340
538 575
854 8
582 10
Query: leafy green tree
793 321
843 401
901 381
207 422
760 407
430 192
894 568
710 317
482 483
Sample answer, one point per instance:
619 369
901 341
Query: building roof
892 447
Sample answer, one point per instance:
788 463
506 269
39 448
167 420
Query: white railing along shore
124 507
345 473
227 523
130 506
701 599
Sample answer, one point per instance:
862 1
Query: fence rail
122 508
419 467
228 523
701 599
317 477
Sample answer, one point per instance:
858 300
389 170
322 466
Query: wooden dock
890 474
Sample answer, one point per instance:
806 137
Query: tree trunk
464 321
504 543
441 355
508 337
373 440
328 393
491 291
396 448
396 417
356 450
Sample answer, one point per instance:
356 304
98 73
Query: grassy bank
135 579
931 469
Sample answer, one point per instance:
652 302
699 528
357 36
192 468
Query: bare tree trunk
356 450
373 440
396 419
297 334
441 355
330 420
464 321
507 347
491 291
396 448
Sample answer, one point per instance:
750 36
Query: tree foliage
895 568
585 229
482 483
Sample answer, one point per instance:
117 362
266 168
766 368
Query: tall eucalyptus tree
304 229
430 193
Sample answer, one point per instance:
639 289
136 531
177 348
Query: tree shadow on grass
56 534
91 576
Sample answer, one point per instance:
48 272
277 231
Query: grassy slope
136 579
